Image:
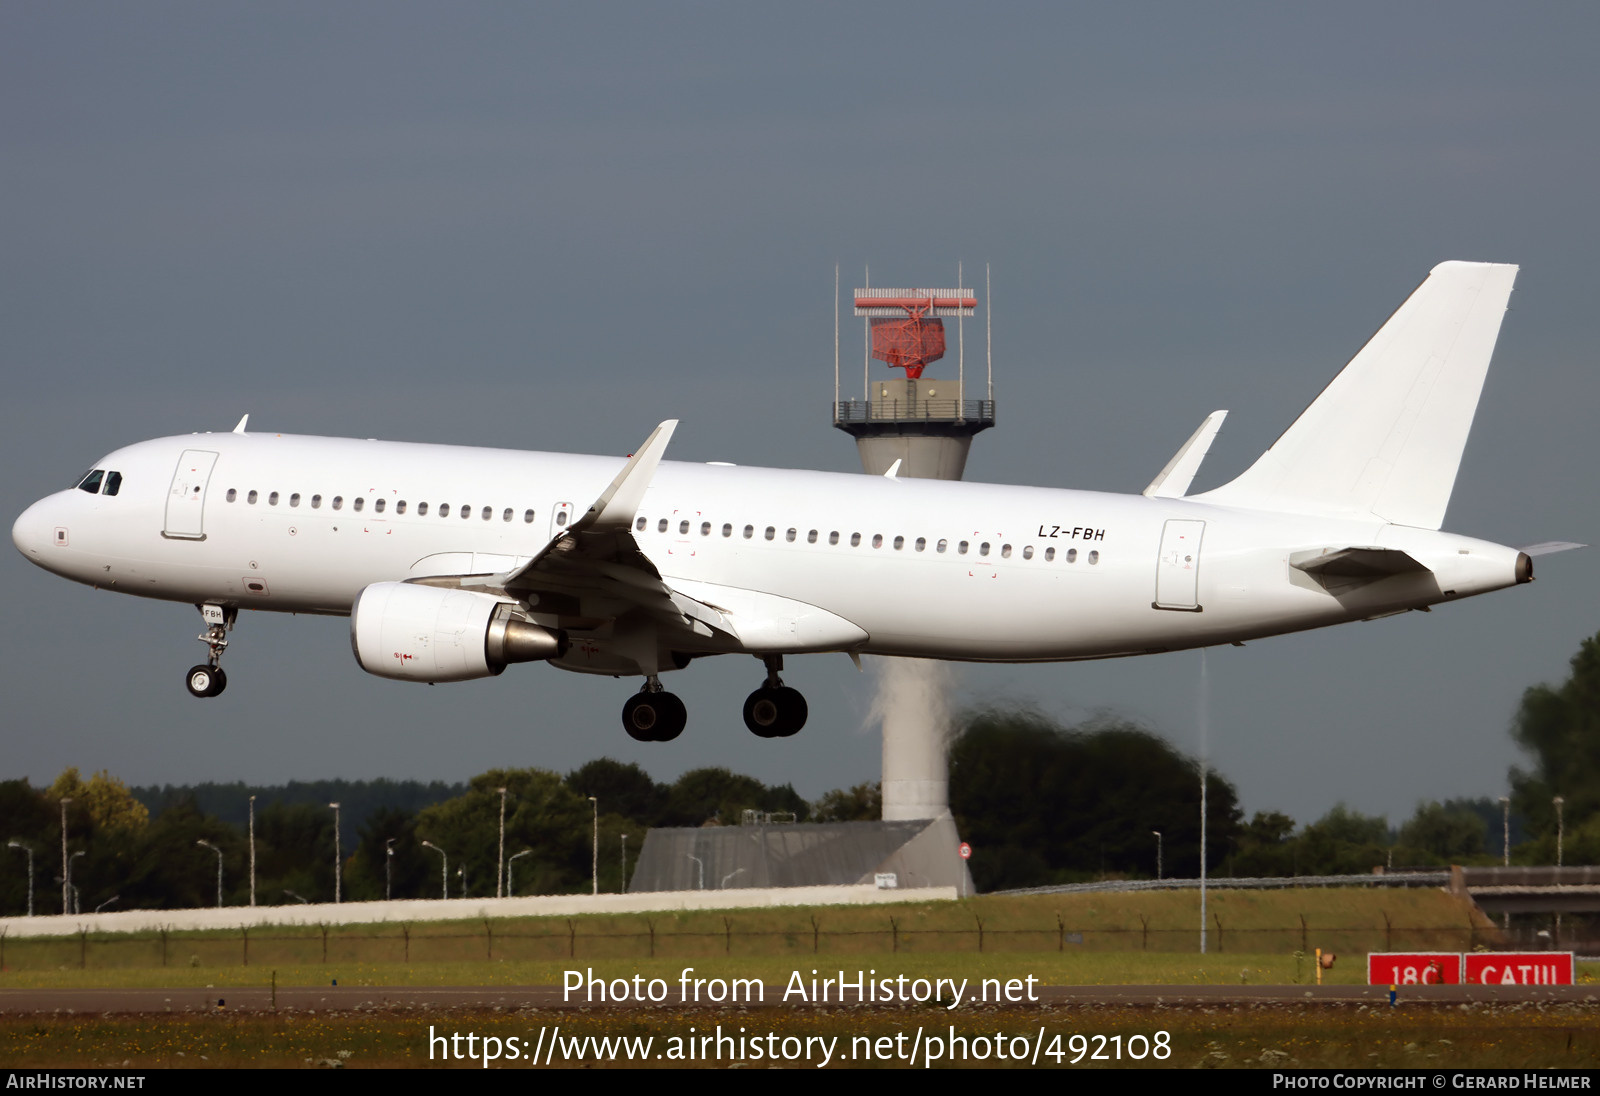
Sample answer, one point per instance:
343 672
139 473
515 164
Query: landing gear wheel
654 717
775 712
206 681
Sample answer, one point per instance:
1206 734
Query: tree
1041 803
107 800
1450 832
1343 842
862 803
1559 726
625 790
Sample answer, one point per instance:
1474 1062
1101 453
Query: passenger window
899 543
232 494
379 504
749 531
661 526
251 498
833 537
527 516
942 545
422 509
399 507
683 528
727 529
855 540
961 549
91 482
488 512
1027 551
561 517
639 525
1005 551
771 532
272 499
358 505
705 528
811 537
790 535
466 511
316 502
1049 554
337 503
444 509
113 483
1072 555
877 540
922 542
294 500
507 515
983 549
1094 557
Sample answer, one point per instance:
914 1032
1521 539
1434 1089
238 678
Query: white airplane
454 562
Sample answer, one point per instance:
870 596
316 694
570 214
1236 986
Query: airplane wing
595 572
595 568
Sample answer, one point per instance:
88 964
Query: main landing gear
653 714
208 679
774 710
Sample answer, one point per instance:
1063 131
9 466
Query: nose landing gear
653 714
775 710
208 679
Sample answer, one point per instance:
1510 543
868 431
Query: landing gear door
1178 568
187 498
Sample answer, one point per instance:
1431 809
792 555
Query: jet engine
427 633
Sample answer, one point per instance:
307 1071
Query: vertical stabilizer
1385 437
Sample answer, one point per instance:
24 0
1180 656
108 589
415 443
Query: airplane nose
34 530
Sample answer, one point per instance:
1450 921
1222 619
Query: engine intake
409 632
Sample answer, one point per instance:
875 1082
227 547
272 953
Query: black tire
202 681
794 708
763 714
219 682
654 717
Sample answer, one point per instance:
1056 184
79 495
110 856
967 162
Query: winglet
894 470
618 503
240 428
1173 481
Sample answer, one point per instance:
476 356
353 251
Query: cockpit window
91 482
113 483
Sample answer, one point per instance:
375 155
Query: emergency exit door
186 499
1178 568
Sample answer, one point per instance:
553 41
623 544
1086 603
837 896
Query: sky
553 226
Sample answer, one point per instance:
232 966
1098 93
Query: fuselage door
187 498
560 518
1178 568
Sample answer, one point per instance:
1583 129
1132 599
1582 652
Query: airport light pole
19 845
444 868
622 887
1559 802
500 863
596 803
388 868
72 892
1505 818
252 850
510 864
204 844
1158 854
338 855
66 869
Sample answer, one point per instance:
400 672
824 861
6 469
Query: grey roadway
511 998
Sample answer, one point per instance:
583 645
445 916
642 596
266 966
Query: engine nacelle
427 633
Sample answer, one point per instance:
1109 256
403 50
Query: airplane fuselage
920 568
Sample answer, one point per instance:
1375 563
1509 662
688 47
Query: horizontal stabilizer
1173 481
1385 438
1550 547
1357 563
